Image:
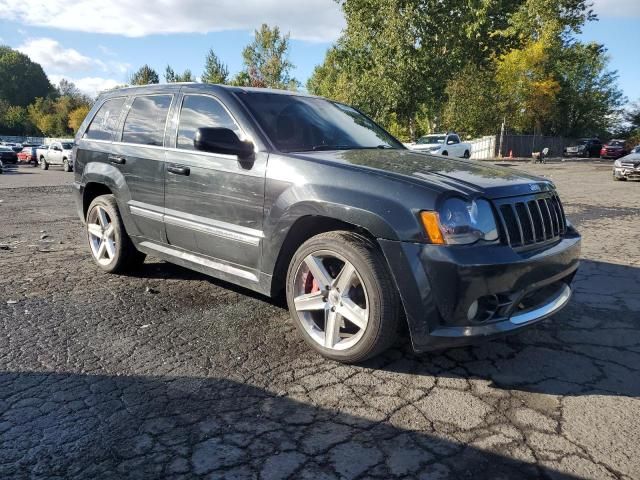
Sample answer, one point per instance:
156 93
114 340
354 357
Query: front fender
381 216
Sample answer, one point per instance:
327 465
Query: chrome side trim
247 235
190 257
146 210
549 308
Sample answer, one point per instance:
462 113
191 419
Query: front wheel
43 164
342 298
66 167
111 248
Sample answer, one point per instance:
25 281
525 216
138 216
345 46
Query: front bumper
626 172
438 285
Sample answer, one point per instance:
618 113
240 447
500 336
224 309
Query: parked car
442 144
585 147
627 167
7 155
614 149
636 149
1 167
28 155
58 153
280 191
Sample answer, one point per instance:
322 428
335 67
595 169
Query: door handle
117 160
178 170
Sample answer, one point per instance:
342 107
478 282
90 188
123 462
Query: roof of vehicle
203 86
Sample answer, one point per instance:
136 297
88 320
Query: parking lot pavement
170 374
20 176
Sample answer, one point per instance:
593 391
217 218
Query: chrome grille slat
532 220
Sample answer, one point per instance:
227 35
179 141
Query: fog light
473 311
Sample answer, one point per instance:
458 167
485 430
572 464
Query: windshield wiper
332 147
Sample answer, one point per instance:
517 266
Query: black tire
445 153
43 164
466 154
384 302
127 257
65 165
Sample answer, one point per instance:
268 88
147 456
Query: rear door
213 203
139 154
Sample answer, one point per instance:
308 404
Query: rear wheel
466 154
342 298
111 248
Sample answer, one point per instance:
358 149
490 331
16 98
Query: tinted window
146 120
104 124
296 123
67 146
454 139
197 112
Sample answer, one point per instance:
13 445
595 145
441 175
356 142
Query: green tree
172 77
214 70
266 62
471 105
589 98
21 80
144 76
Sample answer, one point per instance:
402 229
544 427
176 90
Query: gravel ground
170 374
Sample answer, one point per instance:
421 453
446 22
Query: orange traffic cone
510 153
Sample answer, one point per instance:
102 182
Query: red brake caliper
310 284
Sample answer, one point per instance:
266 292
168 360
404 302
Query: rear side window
146 120
104 124
197 112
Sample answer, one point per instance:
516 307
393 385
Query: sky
98 44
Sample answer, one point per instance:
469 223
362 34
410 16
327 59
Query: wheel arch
304 228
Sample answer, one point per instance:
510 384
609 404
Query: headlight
617 163
434 149
459 222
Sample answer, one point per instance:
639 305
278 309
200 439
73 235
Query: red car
28 155
614 149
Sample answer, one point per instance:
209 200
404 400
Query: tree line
423 65
31 105
415 66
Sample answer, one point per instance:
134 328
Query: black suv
585 147
279 191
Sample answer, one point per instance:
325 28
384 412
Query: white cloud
313 20
55 58
89 85
617 8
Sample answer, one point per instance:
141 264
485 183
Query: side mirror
222 140
449 142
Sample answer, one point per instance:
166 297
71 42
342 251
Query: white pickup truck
57 153
442 144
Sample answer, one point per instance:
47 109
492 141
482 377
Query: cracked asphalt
170 374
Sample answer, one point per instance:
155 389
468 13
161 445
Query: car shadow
71 425
592 347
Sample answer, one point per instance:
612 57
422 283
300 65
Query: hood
446 173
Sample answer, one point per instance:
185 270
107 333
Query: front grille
531 221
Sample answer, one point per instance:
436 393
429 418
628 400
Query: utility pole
504 119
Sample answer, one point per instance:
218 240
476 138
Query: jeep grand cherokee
280 191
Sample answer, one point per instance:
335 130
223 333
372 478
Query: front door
213 202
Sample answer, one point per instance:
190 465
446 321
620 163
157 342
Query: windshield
431 139
584 141
67 146
298 124
616 143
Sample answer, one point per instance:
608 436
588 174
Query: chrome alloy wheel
101 236
331 300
